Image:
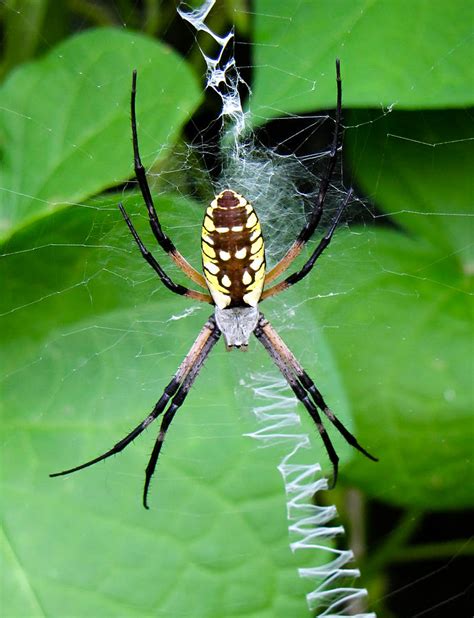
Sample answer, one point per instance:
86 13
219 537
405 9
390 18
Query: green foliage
72 141
409 53
89 338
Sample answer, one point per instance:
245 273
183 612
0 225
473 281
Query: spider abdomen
233 254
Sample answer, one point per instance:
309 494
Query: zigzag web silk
311 527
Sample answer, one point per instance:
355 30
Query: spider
235 280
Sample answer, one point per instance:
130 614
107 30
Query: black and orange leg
307 267
302 386
278 358
176 403
196 356
305 380
167 281
163 240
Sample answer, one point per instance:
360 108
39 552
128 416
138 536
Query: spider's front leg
163 240
308 230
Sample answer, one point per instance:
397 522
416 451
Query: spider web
134 352
265 177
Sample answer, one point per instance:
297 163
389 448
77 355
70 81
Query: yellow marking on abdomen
211 267
215 284
246 278
255 264
222 300
207 250
206 238
256 246
251 220
209 224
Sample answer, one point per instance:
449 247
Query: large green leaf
399 323
86 324
407 54
96 338
409 309
66 119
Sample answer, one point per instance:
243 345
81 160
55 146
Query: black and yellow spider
235 280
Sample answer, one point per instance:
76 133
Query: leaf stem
430 551
377 561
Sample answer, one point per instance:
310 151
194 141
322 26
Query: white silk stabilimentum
309 524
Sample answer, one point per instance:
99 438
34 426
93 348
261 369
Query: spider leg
309 385
277 353
163 240
315 217
306 268
209 332
176 403
174 287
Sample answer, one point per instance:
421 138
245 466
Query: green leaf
417 168
398 321
410 308
66 119
402 53
96 338
90 329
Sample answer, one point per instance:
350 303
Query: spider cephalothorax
235 281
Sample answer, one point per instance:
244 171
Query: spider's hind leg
318 399
176 391
196 362
302 385
276 352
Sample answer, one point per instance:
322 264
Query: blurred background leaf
71 141
409 54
